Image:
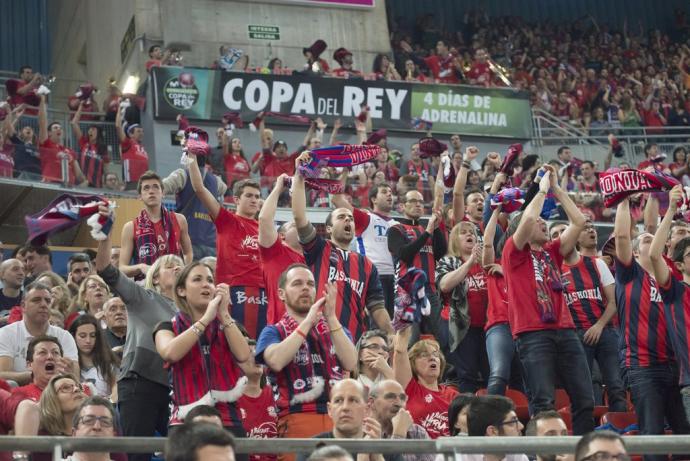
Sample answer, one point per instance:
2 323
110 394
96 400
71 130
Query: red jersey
641 314
429 408
92 161
15 99
344 73
237 247
481 73
497 310
236 168
274 260
584 293
535 290
135 160
359 287
443 69
31 391
676 296
51 167
260 419
477 295
274 166
673 268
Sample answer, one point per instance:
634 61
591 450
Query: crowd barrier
638 445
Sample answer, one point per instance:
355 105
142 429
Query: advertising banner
203 94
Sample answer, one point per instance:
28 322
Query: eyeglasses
69 388
428 355
90 420
515 421
606 456
376 347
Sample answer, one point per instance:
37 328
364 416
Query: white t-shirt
15 338
93 376
605 273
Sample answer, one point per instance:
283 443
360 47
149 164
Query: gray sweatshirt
145 309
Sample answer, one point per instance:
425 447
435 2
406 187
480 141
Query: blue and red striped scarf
221 383
147 238
319 344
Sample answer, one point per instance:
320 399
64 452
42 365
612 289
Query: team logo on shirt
428 398
250 242
299 384
272 412
181 92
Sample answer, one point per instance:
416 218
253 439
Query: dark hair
78 258
680 248
42 250
529 161
153 47
18 249
185 440
23 68
588 162
531 429
148 175
50 127
95 401
374 191
648 147
239 186
583 445
456 406
378 60
282 280
201 410
272 63
326 452
561 150
485 411
103 357
41 339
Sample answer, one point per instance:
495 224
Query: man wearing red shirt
44 359
540 321
278 249
480 73
23 90
653 158
157 57
237 249
53 151
344 57
443 65
135 160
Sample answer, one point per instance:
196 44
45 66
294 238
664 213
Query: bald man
12 275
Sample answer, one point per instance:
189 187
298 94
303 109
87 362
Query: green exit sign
263 32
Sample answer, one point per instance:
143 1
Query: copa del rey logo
623 181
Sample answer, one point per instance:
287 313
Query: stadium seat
567 419
561 399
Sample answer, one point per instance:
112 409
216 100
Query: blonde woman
419 372
59 402
92 295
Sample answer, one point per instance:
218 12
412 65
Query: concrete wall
90 31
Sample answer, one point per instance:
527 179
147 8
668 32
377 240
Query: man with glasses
415 246
492 416
373 353
601 446
387 400
94 418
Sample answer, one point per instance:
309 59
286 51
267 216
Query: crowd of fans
382 324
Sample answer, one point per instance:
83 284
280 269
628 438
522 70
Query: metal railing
449 446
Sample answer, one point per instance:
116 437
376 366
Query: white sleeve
605 273
69 346
6 342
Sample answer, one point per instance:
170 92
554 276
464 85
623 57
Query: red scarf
318 343
150 243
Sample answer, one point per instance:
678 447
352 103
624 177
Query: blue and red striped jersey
583 292
423 259
641 314
676 296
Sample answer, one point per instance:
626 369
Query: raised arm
531 214
651 214
622 231
42 120
470 154
126 252
118 124
334 134
488 252
185 240
299 200
204 195
576 218
76 129
310 133
401 359
344 349
656 250
267 231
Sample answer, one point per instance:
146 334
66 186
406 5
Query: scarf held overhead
65 212
617 184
